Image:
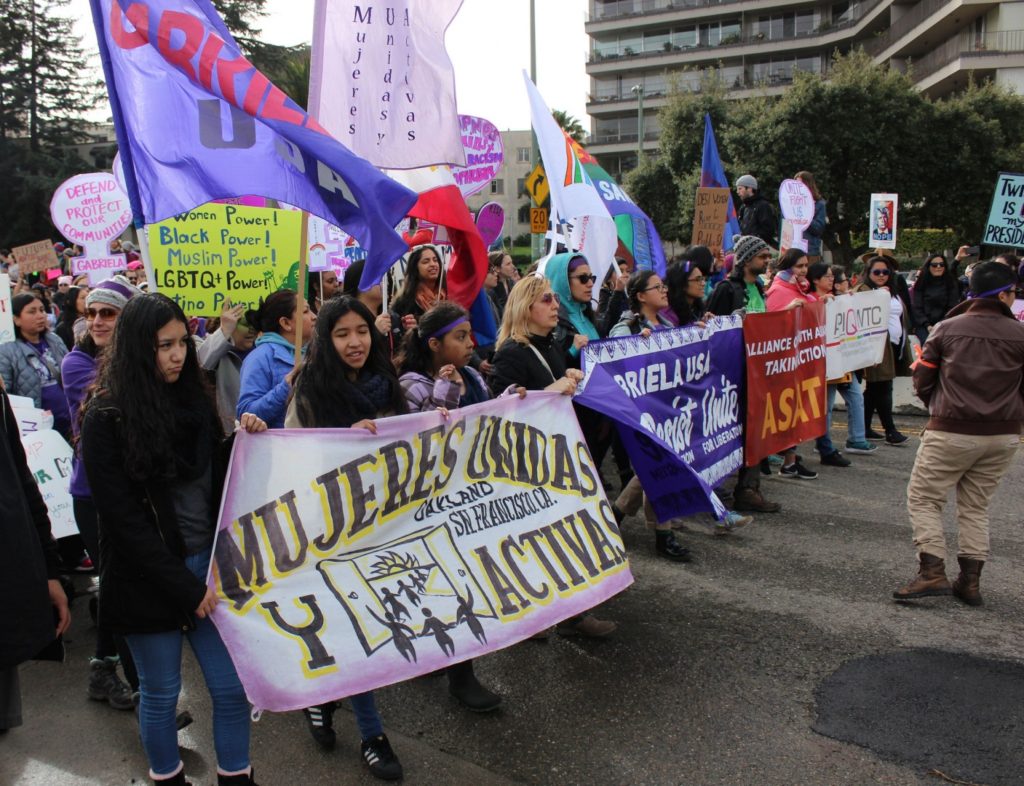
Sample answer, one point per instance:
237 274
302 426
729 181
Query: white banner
6 317
347 560
382 83
49 459
857 327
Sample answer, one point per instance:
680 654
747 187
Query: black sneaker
873 436
835 459
381 760
797 470
895 438
666 545
320 720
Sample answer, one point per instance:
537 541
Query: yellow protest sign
217 252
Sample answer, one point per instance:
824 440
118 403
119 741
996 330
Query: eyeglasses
547 297
937 264
841 280
656 288
585 278
880 272
695 280
102 313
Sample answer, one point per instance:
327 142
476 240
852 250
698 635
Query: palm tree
570 125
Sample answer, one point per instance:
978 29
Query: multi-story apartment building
756 45
508 188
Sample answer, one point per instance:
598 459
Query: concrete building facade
755 46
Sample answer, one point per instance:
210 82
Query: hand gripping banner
677 397
347 560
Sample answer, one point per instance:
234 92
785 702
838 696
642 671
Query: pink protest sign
484 154
490 220
91 210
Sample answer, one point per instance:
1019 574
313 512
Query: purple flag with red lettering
196 121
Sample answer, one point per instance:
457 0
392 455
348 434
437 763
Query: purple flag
677 399
196 121
712 174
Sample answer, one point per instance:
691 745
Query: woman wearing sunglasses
878 391
935 292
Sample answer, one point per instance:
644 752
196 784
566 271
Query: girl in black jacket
935 292
154 453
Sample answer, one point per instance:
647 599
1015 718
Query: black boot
177 780
666 545
242 779
464 686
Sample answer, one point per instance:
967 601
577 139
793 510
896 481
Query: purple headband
447 328
114 286
991 292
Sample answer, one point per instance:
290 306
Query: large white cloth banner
382 83
857 327
347 560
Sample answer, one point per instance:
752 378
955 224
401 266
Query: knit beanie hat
116 292
746 247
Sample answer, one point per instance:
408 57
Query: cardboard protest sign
785 379
857 327
797 206
33 257
219 252
882 218
710 212
1005 225
484 154
91 210
6 316
49 460
676 398
347 560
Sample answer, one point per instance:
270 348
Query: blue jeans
158 660
367 717
854 398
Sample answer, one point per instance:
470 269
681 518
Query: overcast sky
489 43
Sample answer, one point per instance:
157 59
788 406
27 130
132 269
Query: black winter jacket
931 303
145 586
517 364
758 218
28 553
731 294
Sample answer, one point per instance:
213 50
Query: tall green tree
570 124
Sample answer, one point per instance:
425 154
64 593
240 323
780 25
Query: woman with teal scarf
573 283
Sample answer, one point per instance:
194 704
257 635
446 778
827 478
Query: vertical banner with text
347 560
785 379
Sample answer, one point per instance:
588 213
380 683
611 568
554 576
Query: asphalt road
719 673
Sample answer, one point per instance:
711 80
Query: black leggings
878 397
107 644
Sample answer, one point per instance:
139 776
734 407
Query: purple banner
676 397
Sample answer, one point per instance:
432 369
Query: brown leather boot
967 584
751 500
930 580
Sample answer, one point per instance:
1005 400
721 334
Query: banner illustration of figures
785 379
225 251
377 558
882 217
857 327
1005 225
676 398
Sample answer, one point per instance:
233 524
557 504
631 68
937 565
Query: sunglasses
585 278
548 297
880 272
102 313
937 264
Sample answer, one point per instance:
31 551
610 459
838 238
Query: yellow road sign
538 220
537 185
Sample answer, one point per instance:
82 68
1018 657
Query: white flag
382 83
573 195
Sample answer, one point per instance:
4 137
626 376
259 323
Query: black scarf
191 441
371 396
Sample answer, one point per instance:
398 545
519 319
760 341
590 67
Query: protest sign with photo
6 316
33 257
347 560
676 398
217 252
1005 225
856 331
710 213
484 154
785 379
49 461
882 220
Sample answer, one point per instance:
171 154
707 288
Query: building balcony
924 26
638 15
947 67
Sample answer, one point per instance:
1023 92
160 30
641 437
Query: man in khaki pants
971 376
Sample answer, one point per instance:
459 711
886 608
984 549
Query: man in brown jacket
971 376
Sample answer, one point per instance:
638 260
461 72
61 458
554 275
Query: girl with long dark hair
347 380
71 315
424 284
156 459
647 297
935 292
265 383
685 282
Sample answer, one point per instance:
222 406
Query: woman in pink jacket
789 289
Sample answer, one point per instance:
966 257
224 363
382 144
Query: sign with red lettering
33 257
91 210
484 154
785 379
